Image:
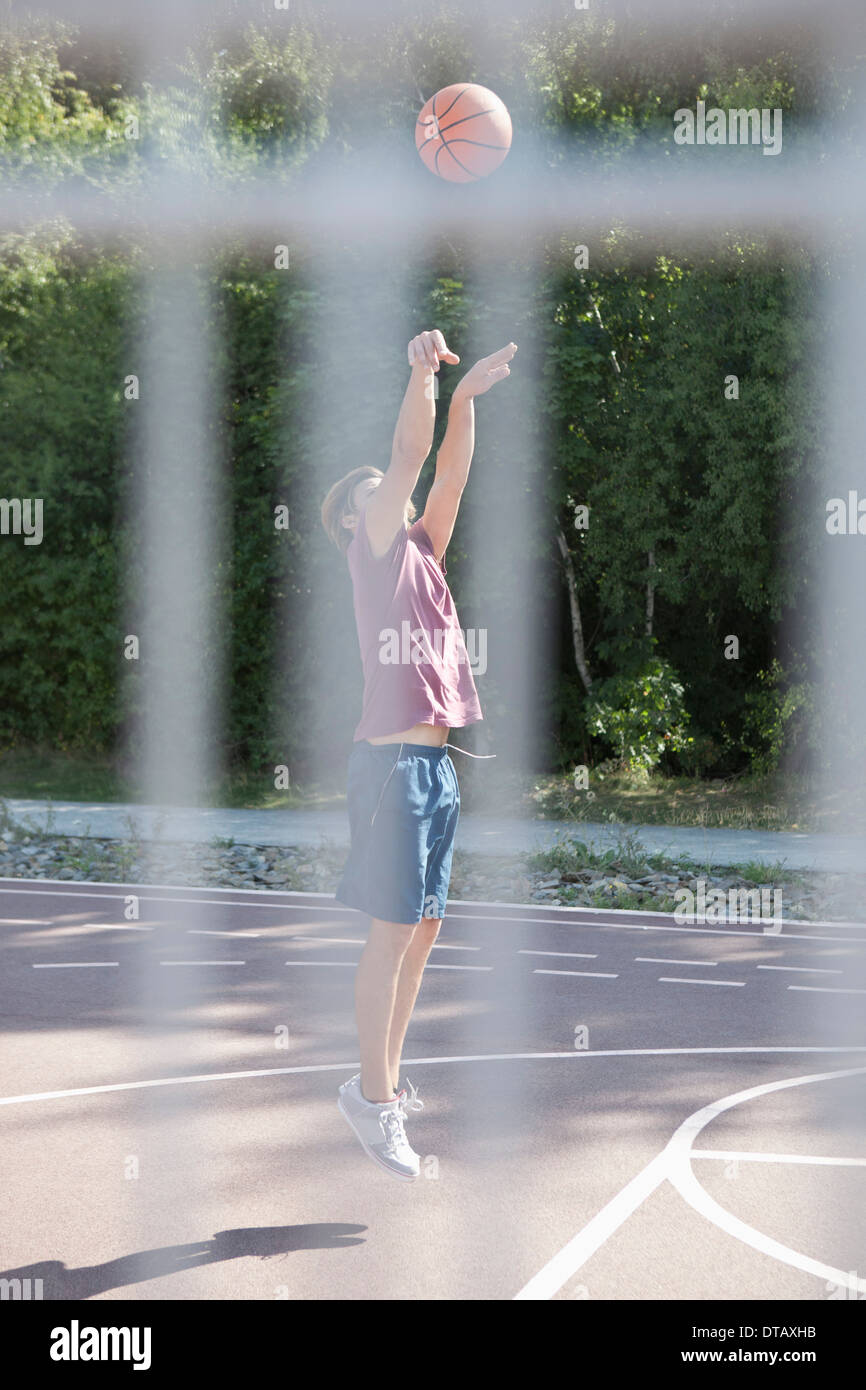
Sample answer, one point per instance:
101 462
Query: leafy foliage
696 498
641 716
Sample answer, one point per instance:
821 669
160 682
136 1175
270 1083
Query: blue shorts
403 811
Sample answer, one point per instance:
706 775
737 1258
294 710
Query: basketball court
614 1106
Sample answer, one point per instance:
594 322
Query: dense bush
642 717
779 722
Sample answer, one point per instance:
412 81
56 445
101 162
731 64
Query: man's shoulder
417 533
360 548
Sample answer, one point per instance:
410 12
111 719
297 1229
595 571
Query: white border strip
340 907
574 920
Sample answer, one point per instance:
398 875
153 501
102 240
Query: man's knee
428 929
392 938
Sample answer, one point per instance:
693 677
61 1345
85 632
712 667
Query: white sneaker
379 1128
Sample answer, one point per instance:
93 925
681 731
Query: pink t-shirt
416 666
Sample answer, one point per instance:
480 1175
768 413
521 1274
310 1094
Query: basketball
463 133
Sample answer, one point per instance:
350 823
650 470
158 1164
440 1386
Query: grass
576 858
572 856
47 775
744 803
42 775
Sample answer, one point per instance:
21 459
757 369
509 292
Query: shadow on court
264 1243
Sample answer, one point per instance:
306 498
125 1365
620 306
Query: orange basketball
463 133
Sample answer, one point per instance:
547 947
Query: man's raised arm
413 439
455 454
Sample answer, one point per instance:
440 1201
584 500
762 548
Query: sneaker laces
391 1124
409 1101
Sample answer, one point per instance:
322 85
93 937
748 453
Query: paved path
478 834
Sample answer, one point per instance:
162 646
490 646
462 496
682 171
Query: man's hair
338 504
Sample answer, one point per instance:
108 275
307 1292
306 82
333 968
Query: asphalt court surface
615 1106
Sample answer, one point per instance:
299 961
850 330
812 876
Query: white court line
806 969
102 926
681 1176
638 912
673 1163
568 1261
826 989
590 974
672 980
362 941
333 940
202 962
573 1054
73 964
337 906
37 889
334 907
653 926
582 955
506 921
663 960
201 931
754 1157
430 966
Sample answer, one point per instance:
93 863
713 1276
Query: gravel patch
475 878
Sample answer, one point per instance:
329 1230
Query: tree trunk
576 624
613 361
650 594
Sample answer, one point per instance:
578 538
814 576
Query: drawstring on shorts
384 785
481 757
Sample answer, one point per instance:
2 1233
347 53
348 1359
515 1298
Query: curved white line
416 1062
672 1162
682 1177
558 1270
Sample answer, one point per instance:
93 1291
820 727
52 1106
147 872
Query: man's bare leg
375 993
408 985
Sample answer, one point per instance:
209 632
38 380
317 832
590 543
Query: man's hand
385 512
486 373
455 453
428 349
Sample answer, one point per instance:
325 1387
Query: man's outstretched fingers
442 347
503 355
420 351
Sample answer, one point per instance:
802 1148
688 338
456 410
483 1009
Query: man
403 795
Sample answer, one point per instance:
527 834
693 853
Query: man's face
361 494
